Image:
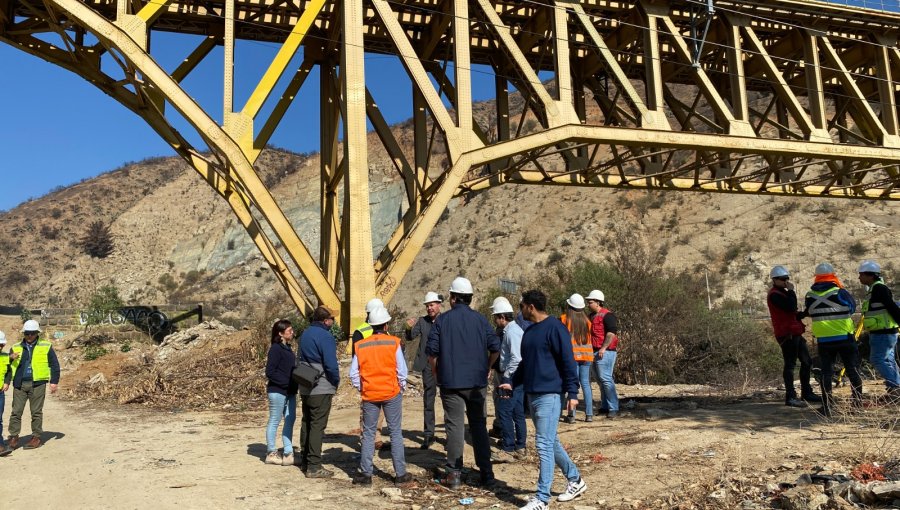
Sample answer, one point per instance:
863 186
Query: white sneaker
273 458
573 490
535 504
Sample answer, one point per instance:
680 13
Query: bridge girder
786 98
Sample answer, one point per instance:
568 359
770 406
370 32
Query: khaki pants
34 395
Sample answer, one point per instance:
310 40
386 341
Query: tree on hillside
98 240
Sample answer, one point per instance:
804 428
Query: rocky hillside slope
176 241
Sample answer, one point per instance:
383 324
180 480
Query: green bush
104 302
92 352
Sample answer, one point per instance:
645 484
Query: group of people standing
830 308
534 356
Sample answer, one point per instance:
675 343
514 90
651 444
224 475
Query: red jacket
784 322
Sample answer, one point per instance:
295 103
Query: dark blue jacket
26 362
460 339
317 346
548 364
279 366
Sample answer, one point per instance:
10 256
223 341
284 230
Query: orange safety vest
377 359
582 351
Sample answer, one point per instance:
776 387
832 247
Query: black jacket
279 366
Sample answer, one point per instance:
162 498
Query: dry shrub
667 333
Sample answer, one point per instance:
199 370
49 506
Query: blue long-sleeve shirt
279 367
548 364
24 372
460 339
317 347
510 350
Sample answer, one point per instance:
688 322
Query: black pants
458 405
430 385
793 348
848 352
316 409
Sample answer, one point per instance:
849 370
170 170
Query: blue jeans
584 380
281 406
881 355
545 409
603 371
2 407
511 412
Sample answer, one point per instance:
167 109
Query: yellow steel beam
192 60
213 135
152 9
284 102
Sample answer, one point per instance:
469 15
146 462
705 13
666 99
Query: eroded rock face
189 338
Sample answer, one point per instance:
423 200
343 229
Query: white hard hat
576 301
595 295
31 325
501 305
379 316
824 268
870 266
432 297
2 338
461 285
373 304
778 272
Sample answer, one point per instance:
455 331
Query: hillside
175 240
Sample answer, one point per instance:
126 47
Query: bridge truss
783 97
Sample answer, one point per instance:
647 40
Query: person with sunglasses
788 328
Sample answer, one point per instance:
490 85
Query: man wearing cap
318 348
378 371
881 315
34 365
510 406
788 329
830 306
461 348
5 378
604 342
420 328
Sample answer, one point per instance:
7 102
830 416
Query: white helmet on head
461 285
379 316
432 297
870 266
2 338
31 326
596 295
824 268
501 305
779 272
576 301
373 304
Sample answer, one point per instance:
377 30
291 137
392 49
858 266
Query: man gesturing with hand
546 371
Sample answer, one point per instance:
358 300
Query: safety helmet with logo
824 268
576 301
432 297
2 338
461 285
870 266
379 316
373 304
779 272
501 305
596 295
31 326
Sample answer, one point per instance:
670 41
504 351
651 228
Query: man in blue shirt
318 348
548 370
461 348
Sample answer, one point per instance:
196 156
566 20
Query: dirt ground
673 441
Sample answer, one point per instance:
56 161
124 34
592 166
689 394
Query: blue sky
57 129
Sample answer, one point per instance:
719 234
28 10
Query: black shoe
612 415
319 472
812 397
588 419
570 419
362 480
5 450
426 444
488 482
403 479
